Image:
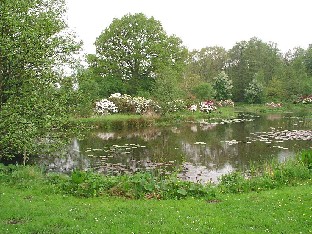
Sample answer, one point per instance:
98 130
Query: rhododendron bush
123 103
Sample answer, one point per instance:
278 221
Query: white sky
202 23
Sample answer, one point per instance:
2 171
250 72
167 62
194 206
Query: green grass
286 210
275 199
286 107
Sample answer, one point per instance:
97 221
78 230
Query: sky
202 23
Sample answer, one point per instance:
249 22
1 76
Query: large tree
247 58
207 63
297 80
135 50
34 47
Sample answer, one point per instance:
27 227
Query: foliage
134 49
306 99
306 158
207 106
138 105
254 92
203 91
207 63
88 184
268 176
222 86
296 80
247 58
104 107
34 46
166 89
227 102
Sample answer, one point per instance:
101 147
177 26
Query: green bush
268 176
306 158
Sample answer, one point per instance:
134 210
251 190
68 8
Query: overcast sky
202 23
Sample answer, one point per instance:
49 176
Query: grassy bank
302 109
125 121
285 210
275 198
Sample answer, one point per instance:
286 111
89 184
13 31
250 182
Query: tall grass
269 176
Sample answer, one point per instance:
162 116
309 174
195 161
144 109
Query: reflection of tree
67 160
213 157
203 174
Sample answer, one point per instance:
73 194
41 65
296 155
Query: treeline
135 56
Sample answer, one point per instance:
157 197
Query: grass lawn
29 210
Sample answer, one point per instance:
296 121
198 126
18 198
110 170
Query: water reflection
204 150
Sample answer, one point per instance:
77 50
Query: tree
34 46
135 49
254 92
308 60
207 62
204 91
166 89
296 79
223 86
247 58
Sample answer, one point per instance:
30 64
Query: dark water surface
204 150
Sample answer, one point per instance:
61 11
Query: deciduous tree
135 49
34 46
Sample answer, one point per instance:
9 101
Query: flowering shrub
104 107
207 106
227 102
177 105
143 105
274 105
254 92
222 86
307 100
193 108
123 102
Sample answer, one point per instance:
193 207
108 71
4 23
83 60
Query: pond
202 150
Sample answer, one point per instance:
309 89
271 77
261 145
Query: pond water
202 150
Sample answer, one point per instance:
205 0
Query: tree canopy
34 46
136 49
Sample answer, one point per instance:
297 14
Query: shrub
306 158
104 107
222 86
254 92
207 106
